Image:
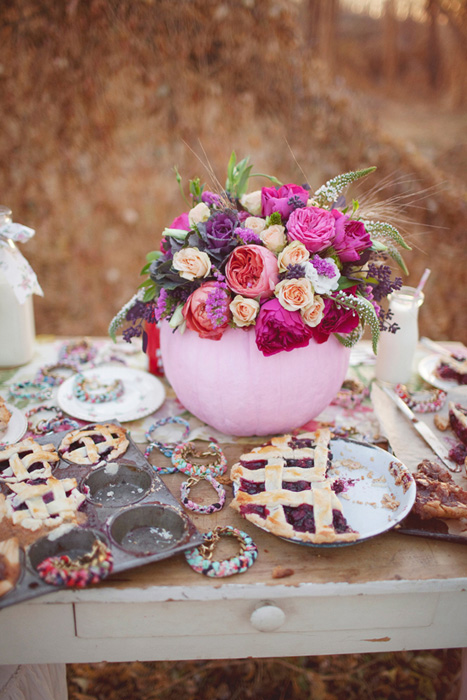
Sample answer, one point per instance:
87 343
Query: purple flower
211 198
278 329
283 200
247 235
218 234
351 237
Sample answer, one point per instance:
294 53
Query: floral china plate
142 395
17 426
427 370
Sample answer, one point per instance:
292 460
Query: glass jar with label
17 330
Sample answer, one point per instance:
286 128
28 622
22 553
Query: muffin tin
127 506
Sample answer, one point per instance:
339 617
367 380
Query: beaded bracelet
92 391
200 558
49 375
30 390
90 568
55 425
205 510
39 428
156 467
167 448
185 450
434 399
81 351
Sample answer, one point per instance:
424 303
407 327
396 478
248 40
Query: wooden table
393 592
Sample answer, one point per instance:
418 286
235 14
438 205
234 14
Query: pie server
425 431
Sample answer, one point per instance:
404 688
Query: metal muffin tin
127 506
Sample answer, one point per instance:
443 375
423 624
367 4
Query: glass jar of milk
17 330
396 351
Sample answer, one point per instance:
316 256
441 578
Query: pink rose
284 200
181 222
351 237
252 271
313 227
278 329
197 316
335 320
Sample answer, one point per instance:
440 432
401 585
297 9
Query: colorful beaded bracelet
185 450
49 374
430 401
56 425
167 448
195 507
90 568
156 467
38 429
81 351
30 390
200 558
93 391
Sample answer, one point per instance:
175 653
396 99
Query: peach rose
293 254
274 237
252 202
255 223
199 213
191 263
251 271
198 318
294 294
313 313
244 311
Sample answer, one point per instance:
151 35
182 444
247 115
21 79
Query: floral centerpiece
242 279
281 262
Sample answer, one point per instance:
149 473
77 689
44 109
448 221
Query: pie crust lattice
88 446
27 460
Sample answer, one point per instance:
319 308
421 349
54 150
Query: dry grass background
100 99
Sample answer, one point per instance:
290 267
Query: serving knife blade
424 430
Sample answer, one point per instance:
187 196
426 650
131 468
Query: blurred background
100 99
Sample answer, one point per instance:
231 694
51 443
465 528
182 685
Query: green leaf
146 283
345 283
178 233
150 294
154 255
273 179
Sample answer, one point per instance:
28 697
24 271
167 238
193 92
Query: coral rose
252 271
294 294
244 311
191 263
278 329
197 316
312 226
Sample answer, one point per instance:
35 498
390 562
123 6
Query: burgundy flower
284 200
351 237
278 329
335 320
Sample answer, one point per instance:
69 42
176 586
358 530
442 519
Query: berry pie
88 446
283 487
27 460
437 494
9 565
453 368
48 502
458 421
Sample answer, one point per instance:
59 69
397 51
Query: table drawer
172 619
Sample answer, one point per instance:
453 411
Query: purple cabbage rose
335 320
283 200
351 237
278 329
312 226
218 234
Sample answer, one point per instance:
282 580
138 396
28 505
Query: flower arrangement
281 262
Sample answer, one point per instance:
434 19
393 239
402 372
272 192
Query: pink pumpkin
230 385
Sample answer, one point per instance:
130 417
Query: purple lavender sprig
247 235
385 285
293 272
217 302
139 314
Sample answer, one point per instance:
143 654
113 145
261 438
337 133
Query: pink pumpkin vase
230 385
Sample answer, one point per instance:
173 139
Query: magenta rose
351 237
197 315
335 320
313 227
283 200
181 222
252 271
278 329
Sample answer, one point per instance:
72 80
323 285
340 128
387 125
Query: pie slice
9 565
27 460
49 502
282 487
437 495
453 368
458 421
88 446
5 416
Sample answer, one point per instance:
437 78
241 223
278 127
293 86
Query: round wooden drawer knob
267 617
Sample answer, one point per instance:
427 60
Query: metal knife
424 430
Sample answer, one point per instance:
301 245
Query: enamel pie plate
378 491
142 395
427 370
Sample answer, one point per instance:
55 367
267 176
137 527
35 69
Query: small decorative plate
17 426
142 395
427 371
